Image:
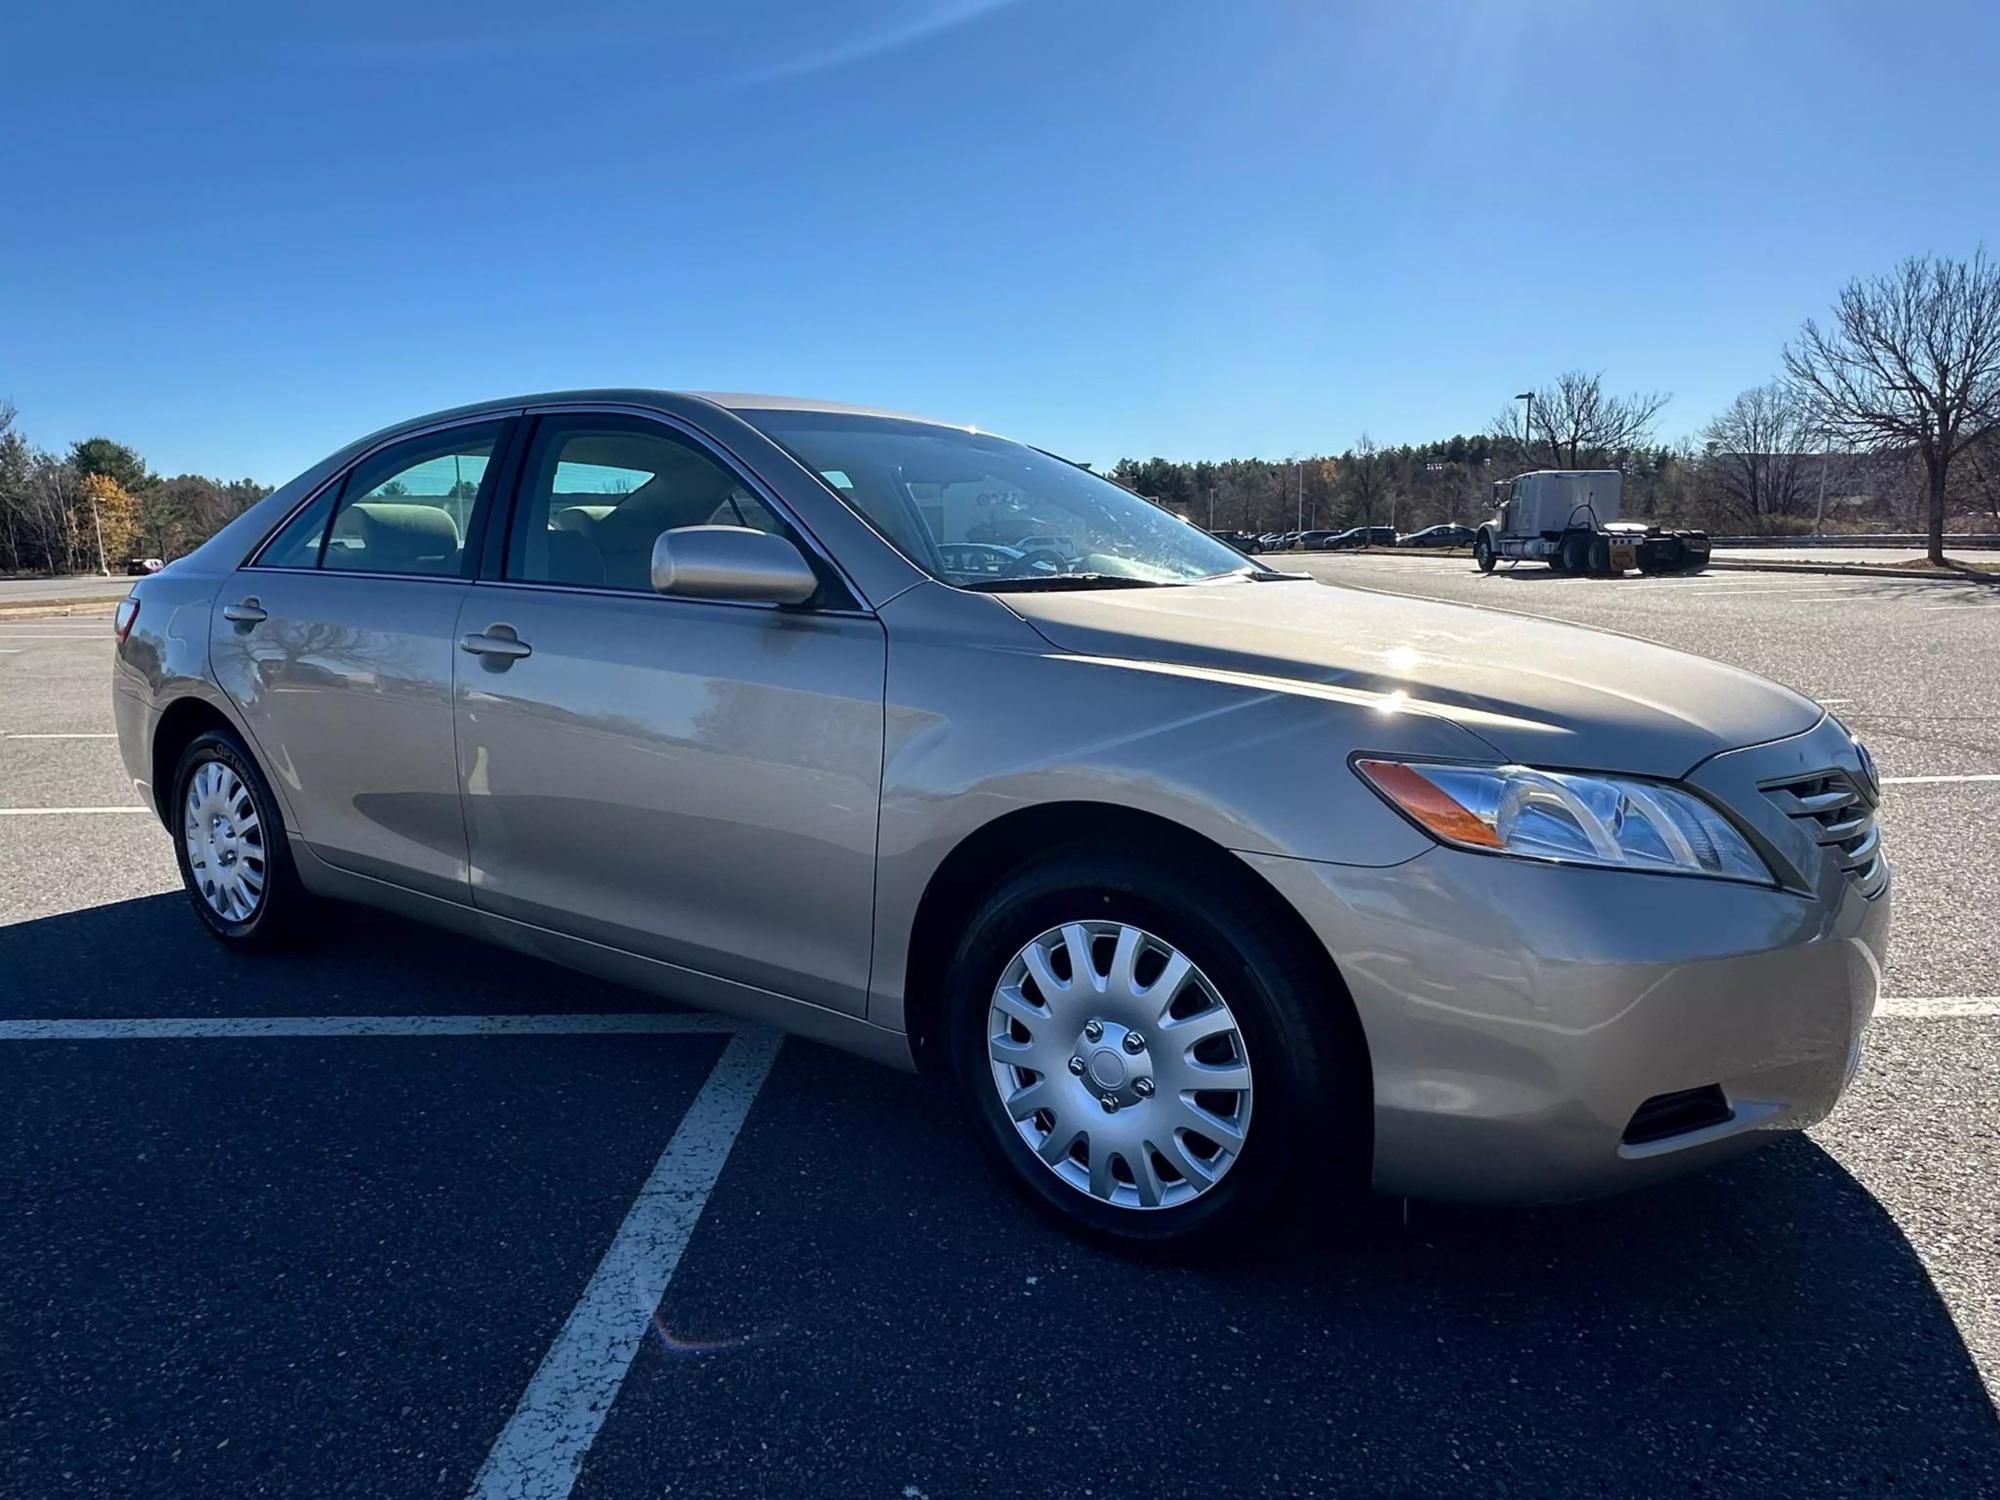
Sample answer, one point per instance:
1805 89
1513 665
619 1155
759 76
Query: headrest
398 534
580 517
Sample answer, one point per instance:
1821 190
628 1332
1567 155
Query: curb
59 607
1851 570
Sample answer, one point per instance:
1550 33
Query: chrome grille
1833 806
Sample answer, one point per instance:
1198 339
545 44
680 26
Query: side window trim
851 597
492 478
850 600
332 487
512 423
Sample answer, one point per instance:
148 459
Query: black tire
1482 553
1575 552
278 915
1308 1131
1600 557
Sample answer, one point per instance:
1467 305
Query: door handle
249 612
493 644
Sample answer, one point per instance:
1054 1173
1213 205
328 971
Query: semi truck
1568 518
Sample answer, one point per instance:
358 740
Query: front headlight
1617 821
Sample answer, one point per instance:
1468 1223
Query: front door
696 782
337 644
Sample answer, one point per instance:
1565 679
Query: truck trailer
1568 518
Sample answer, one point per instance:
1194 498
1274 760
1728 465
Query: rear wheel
1149 1061
229 839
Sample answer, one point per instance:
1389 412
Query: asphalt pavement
376 1217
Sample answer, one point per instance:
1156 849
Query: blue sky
236 237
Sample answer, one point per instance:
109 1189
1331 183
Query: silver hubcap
224 841
1120 1064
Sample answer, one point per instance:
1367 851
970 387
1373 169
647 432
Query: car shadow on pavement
1760 1328
1763 1327
150 957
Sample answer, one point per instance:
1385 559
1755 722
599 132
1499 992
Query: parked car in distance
1212 892
1354 536
1242 541
1314 541
1439 536
139 567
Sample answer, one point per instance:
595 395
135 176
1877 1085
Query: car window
979 511
297 543
597 492
408 508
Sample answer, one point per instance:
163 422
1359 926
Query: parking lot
401 1214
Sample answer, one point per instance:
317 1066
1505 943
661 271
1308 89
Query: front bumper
1518 1014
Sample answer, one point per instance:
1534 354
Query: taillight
126 618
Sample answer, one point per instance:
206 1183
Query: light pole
103 567
1825 458
1527 400
1299 475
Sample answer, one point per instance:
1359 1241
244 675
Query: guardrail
1867 539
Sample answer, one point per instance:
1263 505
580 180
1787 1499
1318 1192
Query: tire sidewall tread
1304 1097
276 919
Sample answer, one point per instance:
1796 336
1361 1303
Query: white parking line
57 812
1941 1008
60 736
173 1028
540 1451
1935 780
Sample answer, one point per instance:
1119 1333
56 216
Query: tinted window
297 545
597 492
408 508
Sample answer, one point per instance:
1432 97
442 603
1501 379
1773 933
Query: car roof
737 401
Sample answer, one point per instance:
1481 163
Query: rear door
337 644
697 782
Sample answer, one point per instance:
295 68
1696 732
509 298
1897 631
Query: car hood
1538 692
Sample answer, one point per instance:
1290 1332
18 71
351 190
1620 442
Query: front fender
985 718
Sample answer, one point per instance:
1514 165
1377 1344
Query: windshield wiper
1049 583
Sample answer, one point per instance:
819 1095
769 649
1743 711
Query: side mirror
731 562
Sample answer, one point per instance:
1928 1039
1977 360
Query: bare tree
1911 361
1576 423
1364 475
1754 452
15 458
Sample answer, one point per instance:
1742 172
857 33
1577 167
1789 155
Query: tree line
100 502
1887 417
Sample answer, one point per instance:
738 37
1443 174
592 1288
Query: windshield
981 512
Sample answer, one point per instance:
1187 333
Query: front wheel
1482 552
1150 1061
